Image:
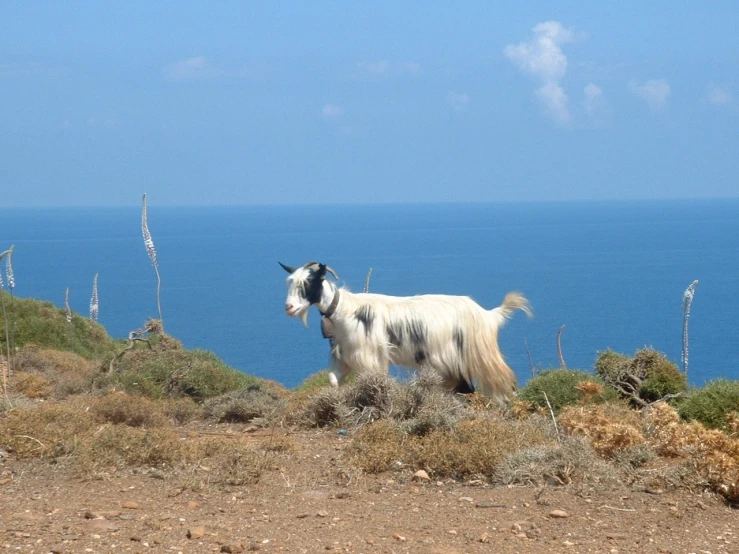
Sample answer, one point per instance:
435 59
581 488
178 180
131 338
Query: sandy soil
314 501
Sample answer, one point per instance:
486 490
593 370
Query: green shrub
711 404
174 373
646 377
44 325
561 388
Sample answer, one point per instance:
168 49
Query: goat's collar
331 307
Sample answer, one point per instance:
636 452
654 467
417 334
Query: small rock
654 490
100 525
191 505
197 532
398 537
466 499
558 514
322 513
302 516
568 543
673 509
421 475
484 538
617 536
487 504
452 531
232 548
130 505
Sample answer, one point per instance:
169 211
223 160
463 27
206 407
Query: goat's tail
513 301
488 367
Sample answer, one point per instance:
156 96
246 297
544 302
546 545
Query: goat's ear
287 268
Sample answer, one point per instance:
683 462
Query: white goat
453 335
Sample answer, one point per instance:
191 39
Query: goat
453 335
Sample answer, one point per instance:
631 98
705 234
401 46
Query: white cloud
413 67
332 111
593 98
718 96
193 68
374 68
654 91
459 101
542 58
384 68
554 100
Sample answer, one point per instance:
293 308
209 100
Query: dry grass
473 447
714 453
49 373
134 411
609 427
244 405
572 460
419 404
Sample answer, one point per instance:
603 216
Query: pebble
322 513
421 475
488 504
197 532
130 505
399 537
558 514
466 499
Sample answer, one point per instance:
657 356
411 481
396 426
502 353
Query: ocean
613 273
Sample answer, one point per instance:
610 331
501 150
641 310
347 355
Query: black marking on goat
464 387
312 287
366 316
420 356
417 332
394 334
458 335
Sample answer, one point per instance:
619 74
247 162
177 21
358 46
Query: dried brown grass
65 372
473 447
609 427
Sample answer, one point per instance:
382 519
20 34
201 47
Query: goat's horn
287 268
332 272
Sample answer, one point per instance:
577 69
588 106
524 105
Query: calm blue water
613 272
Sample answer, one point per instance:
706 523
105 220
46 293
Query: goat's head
305 287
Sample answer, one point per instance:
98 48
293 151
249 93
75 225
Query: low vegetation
157 407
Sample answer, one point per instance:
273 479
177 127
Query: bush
419 403
244 405
565 387
712 404
473 447
646 377
134 411
42 324
67 373
194 373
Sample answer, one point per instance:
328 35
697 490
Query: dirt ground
312 500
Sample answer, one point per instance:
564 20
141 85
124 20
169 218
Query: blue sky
334 102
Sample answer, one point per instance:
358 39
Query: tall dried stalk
149 244
559 349
69 318
687 301
11 285
367 280
94 310
5 364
